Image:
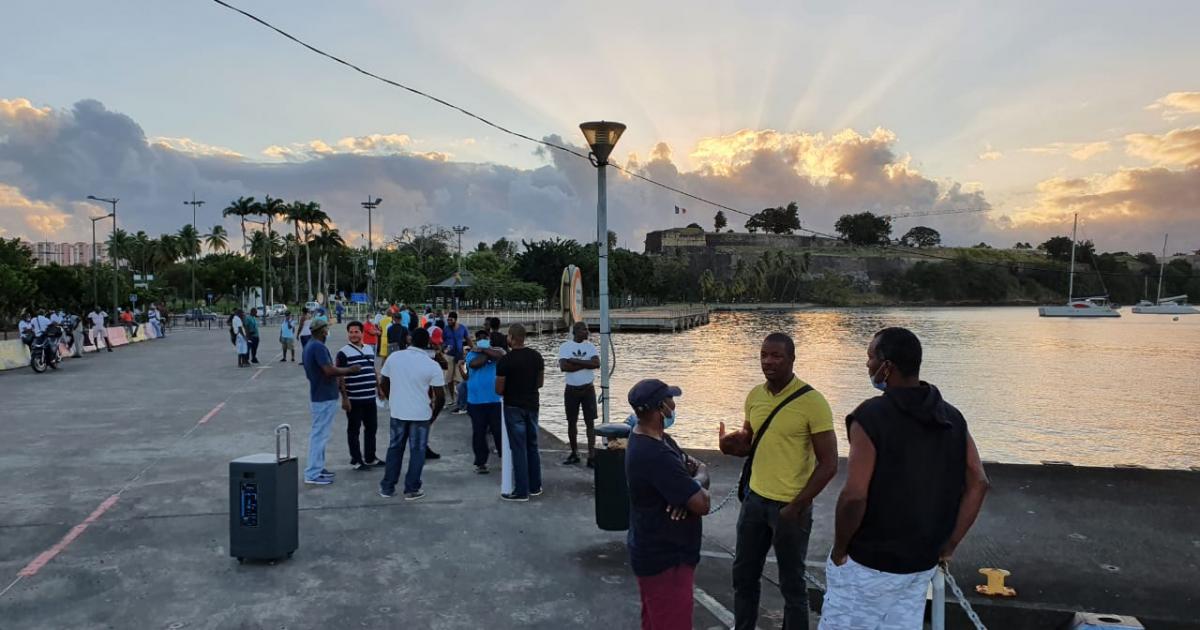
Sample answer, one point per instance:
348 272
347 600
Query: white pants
861 598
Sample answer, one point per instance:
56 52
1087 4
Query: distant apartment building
46 253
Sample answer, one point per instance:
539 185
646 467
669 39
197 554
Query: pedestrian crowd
914 486
53 323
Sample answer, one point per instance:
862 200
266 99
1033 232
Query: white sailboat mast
1071 281
1161 264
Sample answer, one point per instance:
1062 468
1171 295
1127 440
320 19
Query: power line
575 153
402 86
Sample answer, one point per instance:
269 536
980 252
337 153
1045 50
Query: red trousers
667 598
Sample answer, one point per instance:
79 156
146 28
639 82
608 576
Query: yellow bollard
995 583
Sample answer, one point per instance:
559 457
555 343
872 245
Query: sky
1025 112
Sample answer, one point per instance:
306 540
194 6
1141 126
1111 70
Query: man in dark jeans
794 461
252 337
519 376
358 397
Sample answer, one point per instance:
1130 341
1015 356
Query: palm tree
313 217
218 239
270 208
189 241
141 248
119 246
164 250
294 213
327 242
241 207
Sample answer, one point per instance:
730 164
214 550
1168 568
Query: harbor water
1094 392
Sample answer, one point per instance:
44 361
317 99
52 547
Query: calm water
1094 392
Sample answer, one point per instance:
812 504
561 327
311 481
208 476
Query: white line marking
713 606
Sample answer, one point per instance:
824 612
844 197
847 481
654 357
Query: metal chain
962 599
732 493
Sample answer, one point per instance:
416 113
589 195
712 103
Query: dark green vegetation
311 257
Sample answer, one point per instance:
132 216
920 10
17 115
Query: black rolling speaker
263 502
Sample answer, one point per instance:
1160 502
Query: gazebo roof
455 281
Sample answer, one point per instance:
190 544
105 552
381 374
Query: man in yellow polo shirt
795 459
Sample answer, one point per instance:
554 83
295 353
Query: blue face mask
880 385
483 344
668 419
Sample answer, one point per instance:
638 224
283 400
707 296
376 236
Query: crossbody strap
744 481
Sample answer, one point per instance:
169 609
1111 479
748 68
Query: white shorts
861 598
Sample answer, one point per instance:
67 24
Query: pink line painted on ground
46 556
209 416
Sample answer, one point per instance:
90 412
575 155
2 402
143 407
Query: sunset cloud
1082 151
1178 147
1177 104
990 154
187 145
50 160
373 144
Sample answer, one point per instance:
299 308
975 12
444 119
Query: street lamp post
370 208
113 202
459 230
95 285
194 204
602 137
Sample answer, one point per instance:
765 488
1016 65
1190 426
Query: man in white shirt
40 323
580 359
407 380
97 318
155 322
25 329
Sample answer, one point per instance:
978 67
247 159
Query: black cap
650 393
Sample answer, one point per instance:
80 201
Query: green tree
16 284
241 208
1059 248
921 236
864 228
781 220
719 221
217 239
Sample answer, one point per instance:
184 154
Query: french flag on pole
679 210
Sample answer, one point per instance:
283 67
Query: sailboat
1174 305
1078 307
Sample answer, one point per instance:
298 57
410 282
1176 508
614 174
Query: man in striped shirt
358 397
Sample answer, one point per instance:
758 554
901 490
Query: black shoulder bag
744 481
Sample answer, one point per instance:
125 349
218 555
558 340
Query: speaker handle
283 429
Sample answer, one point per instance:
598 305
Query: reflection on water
1095 392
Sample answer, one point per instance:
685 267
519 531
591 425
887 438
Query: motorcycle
44 351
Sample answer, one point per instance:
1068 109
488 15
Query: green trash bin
612 492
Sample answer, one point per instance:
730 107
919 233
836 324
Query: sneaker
515 497
327 473
361 466
378 462
459 412
429 454
319 481
481 470
254 360
571 460
413 496
281 360
387 495
537 493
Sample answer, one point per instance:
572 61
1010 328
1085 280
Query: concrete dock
115 516
665 319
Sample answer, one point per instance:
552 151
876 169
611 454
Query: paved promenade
114 515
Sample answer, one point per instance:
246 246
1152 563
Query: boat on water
1079 307
1174 305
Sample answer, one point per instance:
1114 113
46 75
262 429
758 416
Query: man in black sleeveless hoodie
915 486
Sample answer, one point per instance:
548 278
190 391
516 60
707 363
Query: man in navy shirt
668 495
323 400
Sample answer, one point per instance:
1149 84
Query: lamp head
602 137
